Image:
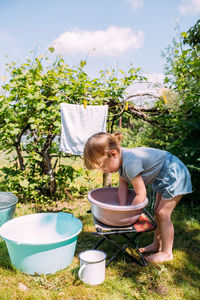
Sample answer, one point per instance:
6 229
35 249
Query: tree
29 106
183 76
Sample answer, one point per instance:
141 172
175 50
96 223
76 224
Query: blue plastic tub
42 243
7 206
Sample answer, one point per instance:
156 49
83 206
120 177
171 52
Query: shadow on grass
189 272
88 240
77 281
187 241
4 257
183 272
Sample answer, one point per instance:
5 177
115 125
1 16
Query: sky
109 33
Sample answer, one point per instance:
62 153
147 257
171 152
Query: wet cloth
79 123
142 160
173 179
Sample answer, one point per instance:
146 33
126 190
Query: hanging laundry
79 123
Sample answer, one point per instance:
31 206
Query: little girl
141 166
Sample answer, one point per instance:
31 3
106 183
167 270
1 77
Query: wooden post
107 178
120 121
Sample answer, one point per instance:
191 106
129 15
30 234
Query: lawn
177 279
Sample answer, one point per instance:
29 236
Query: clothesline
79 122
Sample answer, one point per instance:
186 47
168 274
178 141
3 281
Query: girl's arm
139 188
122 191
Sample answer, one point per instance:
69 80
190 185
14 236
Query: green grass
177 279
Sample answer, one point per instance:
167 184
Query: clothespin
85 103
163 94
126 106
165 99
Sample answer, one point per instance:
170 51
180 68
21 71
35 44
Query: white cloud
189 7
135 4
113 41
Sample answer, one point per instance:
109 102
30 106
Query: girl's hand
139 188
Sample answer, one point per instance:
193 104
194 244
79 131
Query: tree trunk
19 156
107 179
17 145
46 164
47 169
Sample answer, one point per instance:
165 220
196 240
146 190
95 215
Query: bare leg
157 243
163 217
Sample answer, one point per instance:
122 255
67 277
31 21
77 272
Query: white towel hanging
79 123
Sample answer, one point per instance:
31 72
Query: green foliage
178 116
137 133
183 76
192 37
29 107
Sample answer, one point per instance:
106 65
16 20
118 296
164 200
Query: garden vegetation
39 174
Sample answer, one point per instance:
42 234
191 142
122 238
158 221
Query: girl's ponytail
117 136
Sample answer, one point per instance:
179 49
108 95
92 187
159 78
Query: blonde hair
98 146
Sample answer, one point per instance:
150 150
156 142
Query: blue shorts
173 179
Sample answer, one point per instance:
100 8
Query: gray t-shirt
142 160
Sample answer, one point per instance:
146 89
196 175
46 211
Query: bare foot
150 248
159 257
